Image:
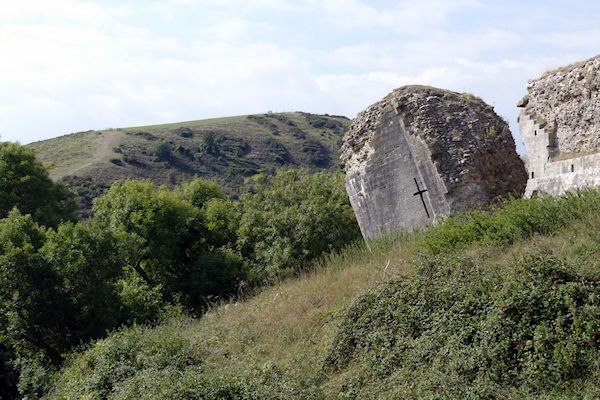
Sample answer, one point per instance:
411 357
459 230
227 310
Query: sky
75 65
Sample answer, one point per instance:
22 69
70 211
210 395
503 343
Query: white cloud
77 65
404 16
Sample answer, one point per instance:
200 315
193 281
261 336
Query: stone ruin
560 128
423 152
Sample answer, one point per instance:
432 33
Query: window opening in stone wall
531 174
534 133
572 168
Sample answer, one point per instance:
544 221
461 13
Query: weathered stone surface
452 145
560 128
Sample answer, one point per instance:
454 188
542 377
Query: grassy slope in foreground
225 150
500 306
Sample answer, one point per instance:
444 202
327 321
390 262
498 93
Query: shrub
166 240
162 150
164 363
511 221
26 184
462 329
293 218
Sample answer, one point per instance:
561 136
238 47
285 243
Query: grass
65 152
568 68
195 123
330 332
299 312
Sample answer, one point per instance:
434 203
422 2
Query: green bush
293 218
163 363
26 184
56 286
162 150
166 240
510 221
462 329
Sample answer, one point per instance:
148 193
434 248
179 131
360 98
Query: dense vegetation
25 183
148 252
224 150
135 302
509 309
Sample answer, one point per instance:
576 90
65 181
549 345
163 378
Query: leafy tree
155 225
209 143
292 218
8 375
56 287
162 150
222 218
167 240
25 184
199 191
219 215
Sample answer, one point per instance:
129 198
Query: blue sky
71 65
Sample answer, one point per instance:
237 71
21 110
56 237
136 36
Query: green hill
225 150
500 305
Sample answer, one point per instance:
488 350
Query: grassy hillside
225 150
501 305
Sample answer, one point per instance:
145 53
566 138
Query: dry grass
292 323
568 68
73 153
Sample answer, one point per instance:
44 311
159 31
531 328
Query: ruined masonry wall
382 189
554 177
566 102
459 152
560 129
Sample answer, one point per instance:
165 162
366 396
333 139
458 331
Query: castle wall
537 142
566 102
560 128
423 152
382 191
554 177
429 175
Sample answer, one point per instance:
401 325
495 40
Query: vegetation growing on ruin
568 68
136 302
486 305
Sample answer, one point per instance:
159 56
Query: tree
25 184
167 240
292 218
162 150
57 288
199 191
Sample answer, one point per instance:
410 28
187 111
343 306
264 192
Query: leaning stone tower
422 152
